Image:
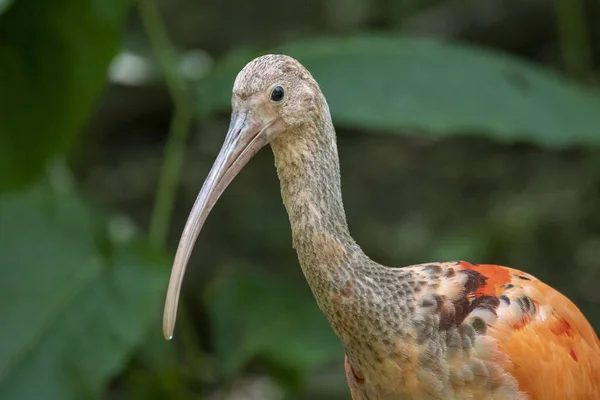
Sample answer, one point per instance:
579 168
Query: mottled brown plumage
432 331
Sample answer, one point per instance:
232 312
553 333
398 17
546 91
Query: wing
543 334
551 349
519 330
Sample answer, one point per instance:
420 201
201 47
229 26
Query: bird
432 331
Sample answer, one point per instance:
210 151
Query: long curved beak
247 134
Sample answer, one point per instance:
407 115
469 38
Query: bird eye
277 94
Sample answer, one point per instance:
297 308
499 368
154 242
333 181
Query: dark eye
277 94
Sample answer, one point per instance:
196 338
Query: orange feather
554 352
550 348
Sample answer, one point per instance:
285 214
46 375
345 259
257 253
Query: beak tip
168 327
168 334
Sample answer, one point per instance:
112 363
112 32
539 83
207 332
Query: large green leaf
255 314
74 299
53 61
396 83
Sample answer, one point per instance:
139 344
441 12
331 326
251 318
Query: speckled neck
308 167
365 303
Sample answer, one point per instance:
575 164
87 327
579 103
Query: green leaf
53 63
397 83
254 315
74 299
4 4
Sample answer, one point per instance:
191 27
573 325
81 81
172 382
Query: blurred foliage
248 323
81 288
433 87
77 293
50 74
4 4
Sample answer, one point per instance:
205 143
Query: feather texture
521 330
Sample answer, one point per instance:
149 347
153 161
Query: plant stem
182 118
572 29
174 152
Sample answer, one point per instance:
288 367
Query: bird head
272 95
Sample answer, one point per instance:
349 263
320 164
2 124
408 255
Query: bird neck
308 168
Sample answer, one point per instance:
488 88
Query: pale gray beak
247 134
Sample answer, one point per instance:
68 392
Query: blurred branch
183 113
575 46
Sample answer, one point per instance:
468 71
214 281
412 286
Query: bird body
476 332
451 330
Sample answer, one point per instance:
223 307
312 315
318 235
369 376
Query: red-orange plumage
496 275
552 350
555 353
